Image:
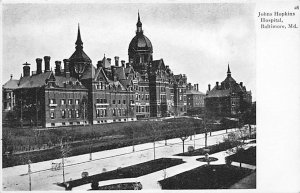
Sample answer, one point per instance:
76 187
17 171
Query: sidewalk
150 181
16 178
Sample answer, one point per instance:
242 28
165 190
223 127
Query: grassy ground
212 149
129 172
206 177
90 138
245 156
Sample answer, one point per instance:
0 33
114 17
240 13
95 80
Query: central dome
140 43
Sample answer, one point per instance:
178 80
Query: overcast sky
193 39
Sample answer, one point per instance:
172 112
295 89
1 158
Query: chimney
109 60
197 87
217 83
66 68
116 60
241 83
26 69
57 68
127 65
113 73
99 64
208 87
123 63
39 65
47 63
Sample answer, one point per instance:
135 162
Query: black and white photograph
131 95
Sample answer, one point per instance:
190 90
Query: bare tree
65 152
155 135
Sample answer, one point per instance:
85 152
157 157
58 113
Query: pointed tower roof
139 23
228 71
79 55
139 29
79 42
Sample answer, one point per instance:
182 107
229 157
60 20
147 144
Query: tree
184 134
65 150
154 134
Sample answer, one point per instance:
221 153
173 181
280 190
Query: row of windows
142 109
63 101
115 112
180 98
142 97
66 114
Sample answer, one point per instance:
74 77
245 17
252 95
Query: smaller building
228 98
8 96
195 100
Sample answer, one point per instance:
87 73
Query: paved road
16 178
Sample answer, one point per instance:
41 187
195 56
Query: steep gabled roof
40 80
218 93
80 56
194 92
100 74
11 84
33 81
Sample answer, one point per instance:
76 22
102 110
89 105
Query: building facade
228 98
195 100
80 93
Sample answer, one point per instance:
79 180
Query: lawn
206 177
129 172
247 156
212 149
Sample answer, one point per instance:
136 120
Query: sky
198 40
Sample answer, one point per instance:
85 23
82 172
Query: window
114 102
97 100
124 101
70 113
77 101
97 86
114 112
52 115
119 101
70 101
120 112
180 97
98 113
52 101
62 101
63 114
77 113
